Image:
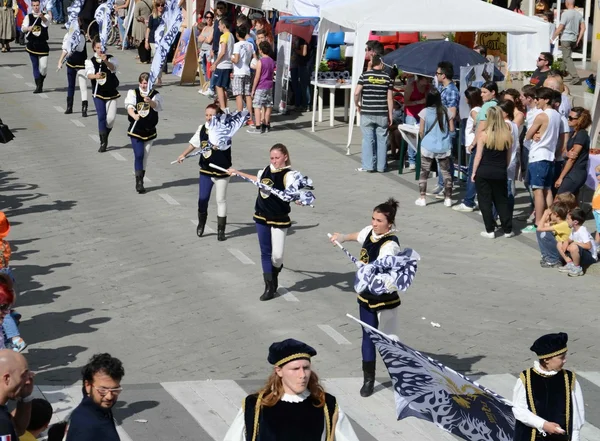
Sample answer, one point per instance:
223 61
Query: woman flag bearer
35 27
101 70
142 109
76 57
213 139
292 406
272 214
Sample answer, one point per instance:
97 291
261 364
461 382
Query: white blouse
67 47
522 413
131 100
343 428
89 66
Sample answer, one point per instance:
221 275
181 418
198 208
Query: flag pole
354 260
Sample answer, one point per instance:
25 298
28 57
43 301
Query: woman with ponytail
379 311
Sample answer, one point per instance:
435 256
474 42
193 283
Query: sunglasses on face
439 73
541 59
105 390
573 118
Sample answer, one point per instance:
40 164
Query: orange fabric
596 199
6 252
466 39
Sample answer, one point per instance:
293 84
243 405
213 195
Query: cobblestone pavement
101 268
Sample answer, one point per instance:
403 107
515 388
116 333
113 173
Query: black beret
283 352
550 345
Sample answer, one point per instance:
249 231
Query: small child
9 326
262 89
582 248
554 220
596 207
41 414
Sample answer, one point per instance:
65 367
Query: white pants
388 322
147 147
43 65
205 188
82 82
221 195
278 242
111 113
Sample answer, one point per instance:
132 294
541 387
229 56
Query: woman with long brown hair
292 405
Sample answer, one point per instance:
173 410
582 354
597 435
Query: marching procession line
336 336
118 157
168 198
240 256
77 123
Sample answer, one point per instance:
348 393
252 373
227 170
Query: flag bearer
35 27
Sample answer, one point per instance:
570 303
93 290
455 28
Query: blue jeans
121 23
412 154
9 326
204 64
469 199
547 244
370 318
374 144
57 11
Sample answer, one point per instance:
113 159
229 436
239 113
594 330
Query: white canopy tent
364 16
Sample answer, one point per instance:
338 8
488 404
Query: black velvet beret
550 345
283 352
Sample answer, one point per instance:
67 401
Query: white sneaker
421 202
411 166
487 235
509 235
448 202
463 208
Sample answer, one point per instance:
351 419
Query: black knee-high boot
201 223
276 272
84 109
269 292
42 78
221 223
369 378
69 105
103 142
139 182
38 85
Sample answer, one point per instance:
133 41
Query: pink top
416 95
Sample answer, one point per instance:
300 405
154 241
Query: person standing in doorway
570 30
374 100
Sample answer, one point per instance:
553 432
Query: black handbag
5 134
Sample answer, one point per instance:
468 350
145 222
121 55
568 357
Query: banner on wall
473 76
284 54
495 43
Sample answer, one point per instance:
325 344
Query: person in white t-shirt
241 58
582 248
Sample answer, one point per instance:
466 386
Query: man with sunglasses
544 63
93 420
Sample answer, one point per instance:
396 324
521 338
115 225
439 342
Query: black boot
139 182
107 135
269 291
221 223
201 223
84 108
69 105
103 142
276 272
42 78
38 85
369 378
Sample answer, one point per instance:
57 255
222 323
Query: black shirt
580 168
538 78
7 429
493 164
90 422
153 24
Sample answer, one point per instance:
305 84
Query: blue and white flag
46 5
426 389
388 274
103 18
73 29
165 36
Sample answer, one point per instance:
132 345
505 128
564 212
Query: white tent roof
426 16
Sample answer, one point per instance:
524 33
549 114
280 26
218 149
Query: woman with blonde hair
292 405
490 172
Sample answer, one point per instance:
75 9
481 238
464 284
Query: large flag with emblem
165 37
72 26
426 389
103 18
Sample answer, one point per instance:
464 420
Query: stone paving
101 268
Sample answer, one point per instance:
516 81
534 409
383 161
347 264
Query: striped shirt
375 85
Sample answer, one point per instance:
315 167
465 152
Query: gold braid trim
568 398
553 354
327 423
292 357
335 421
256 415
530 398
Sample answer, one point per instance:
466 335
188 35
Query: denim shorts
540 174
222 78
597 219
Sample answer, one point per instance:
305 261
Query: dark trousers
71 79
493 192
469 199
35 64
370 318
138 153
205 186
266 247
101 114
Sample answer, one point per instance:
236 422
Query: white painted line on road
30 84
18 76
594 377
95 138
117 156
7 67
207 229
337 337
240 256
59 109
77 123
288 295
43 95
168 198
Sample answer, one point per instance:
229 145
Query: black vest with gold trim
289 421
222 158
77 59
107 85
269 209
369 253
37 40
548 397
145 127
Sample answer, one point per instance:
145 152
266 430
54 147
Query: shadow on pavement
124 410
45 361
313 280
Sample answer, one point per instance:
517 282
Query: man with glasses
93 419
544 63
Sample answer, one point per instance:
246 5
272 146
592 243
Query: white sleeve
159 102
25 23
259 174
237 430
47 20
130 99
343 429
521 410
362 236
89 68
81 45
195 140
390 248
578 411
115 63
65 46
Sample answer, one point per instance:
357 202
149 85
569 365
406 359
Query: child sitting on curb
582 248
554 220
